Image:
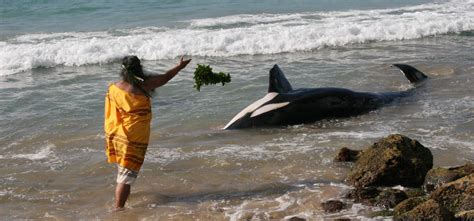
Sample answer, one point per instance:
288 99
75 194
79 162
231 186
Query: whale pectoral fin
251 108
268 108
278 82
412 74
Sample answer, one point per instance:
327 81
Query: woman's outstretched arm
159 80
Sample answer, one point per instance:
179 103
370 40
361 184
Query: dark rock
365 196
347 155
389 198
414 192
381 213
333 206
408 205
428 210
456 196
394 160
382 197
295 218
438 176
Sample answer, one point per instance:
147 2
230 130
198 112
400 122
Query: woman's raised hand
183 63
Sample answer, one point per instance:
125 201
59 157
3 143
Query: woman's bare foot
118 209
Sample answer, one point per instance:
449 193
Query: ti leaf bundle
203 75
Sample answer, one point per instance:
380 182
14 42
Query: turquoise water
48 35
64 16
57 58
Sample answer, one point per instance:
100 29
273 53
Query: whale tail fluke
413 75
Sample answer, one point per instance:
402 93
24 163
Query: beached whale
283 105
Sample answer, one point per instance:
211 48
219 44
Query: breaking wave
237 35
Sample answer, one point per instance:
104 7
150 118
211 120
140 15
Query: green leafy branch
203 75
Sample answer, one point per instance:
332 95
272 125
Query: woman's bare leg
122 191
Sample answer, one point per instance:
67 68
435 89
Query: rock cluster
394 160
439 193
332 206
440 176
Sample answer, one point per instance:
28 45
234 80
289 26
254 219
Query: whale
283 105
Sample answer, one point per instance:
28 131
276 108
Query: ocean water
57 58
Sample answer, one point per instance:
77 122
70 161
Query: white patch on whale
252 107
268 107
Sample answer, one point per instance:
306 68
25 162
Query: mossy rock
365 196
383 213
465 215
394 160
457 196
347 155
295 218
381 197
389 198
428 210
414 192
436 177
333 206
408 204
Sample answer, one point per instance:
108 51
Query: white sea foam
41 154
237 35
278 148
264 151
5 192
294 203
353 134
45 156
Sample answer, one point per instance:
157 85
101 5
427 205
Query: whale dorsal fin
278 82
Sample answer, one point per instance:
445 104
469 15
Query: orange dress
127 127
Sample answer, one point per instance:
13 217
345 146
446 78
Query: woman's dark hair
132 73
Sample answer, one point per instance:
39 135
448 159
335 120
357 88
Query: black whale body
285 106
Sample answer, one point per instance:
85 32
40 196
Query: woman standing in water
127 121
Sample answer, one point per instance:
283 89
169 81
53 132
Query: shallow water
53 145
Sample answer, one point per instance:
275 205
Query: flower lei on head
133 75
135 80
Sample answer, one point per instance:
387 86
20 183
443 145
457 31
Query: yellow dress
127 127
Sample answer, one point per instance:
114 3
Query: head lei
132 72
